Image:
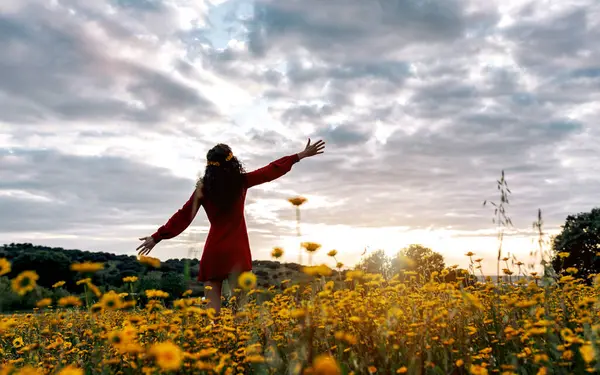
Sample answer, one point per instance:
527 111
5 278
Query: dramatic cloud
107 110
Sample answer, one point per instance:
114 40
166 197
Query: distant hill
53 265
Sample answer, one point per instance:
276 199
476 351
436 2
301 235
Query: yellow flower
87 267
321 270
69 301
25 282
94 289
354 275
71 370
311 247
572 270
332 253
110 301
471 300
204 366
149 261
277 252
297 201
167 355
329 285
4 266
325 365
372 369
346 337
566 333
470 254
478 370
153 293
460 363
83 281
247 280
339 265
567 355
566 279
119 339
130 279
563 254
204 353
44 302
587 352
297 313
28 370
18 342
402 370
254 358
58 284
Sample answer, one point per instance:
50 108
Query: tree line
53 265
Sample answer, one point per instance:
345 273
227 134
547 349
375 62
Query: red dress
227 249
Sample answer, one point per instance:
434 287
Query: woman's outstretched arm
176 224
282 166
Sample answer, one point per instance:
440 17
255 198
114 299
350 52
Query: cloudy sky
107 109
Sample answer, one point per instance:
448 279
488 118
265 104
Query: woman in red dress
222 193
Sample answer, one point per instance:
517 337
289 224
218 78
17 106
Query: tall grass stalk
500 219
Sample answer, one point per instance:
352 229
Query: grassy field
319 324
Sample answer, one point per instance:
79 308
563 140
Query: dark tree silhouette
50 266
580 238
460 274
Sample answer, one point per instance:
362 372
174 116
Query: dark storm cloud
60 68
334 26
562 36
306 113
344 135
140 5
266 138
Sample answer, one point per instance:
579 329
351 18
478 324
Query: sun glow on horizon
352 242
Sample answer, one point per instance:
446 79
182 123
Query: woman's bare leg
214 295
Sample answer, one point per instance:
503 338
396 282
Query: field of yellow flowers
360 324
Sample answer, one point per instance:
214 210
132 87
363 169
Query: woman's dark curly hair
223 179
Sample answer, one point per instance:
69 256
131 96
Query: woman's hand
146 247
312 150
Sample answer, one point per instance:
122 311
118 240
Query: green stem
87 300
298 233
